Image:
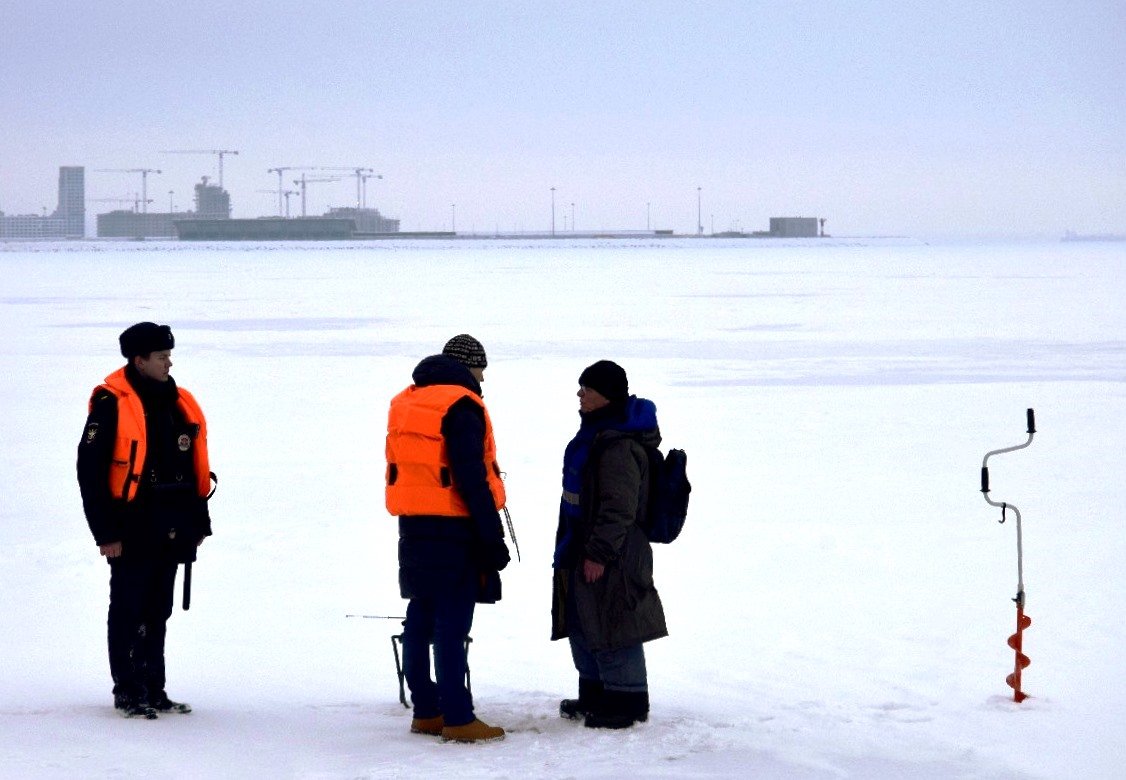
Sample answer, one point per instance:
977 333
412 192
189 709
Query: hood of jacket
637 419
443 370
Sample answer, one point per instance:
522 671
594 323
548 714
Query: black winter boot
132 707
161 703
590 694
619 710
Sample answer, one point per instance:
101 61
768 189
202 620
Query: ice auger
1016 641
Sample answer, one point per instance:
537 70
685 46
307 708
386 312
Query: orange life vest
418 467
130 446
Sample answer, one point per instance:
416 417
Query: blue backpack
668 495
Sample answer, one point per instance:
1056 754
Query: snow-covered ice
838 603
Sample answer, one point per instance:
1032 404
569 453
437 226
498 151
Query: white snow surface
838 604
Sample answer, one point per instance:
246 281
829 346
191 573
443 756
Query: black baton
187 585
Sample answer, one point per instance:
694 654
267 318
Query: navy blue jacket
439 554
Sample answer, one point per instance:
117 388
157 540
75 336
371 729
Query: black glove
496 555
489 590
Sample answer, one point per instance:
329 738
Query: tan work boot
477 731
432 726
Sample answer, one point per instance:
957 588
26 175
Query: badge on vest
184 442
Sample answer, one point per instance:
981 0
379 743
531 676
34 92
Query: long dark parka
621 608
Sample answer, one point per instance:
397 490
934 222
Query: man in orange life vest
144 476
444 483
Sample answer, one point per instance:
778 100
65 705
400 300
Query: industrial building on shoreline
211 220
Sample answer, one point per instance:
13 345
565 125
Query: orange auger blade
1016 641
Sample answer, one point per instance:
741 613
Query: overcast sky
967 117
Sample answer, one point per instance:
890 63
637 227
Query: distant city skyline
961 118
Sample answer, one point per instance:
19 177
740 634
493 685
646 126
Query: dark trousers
618 670
622 669
140 603
443 621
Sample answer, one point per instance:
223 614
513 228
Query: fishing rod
512 532
396 650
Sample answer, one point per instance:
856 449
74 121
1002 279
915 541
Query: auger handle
1031 416
984 479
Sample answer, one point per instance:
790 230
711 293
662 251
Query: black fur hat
145 337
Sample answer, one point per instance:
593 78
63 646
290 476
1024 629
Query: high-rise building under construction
211 202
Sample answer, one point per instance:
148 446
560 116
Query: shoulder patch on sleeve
91 433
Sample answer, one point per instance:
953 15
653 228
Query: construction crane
361 175
144 181
303 181
279 172
364 178
219 152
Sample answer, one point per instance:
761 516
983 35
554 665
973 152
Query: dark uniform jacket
167 515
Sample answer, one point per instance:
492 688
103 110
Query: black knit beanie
466 350
607 378
145 337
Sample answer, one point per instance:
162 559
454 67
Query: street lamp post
453 217
572 216
553 211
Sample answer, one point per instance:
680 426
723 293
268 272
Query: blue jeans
444 622
619 670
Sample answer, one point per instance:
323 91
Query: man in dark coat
144 477
604 599
444 483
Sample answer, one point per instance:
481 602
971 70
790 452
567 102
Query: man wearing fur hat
444 483
144 476
604 600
